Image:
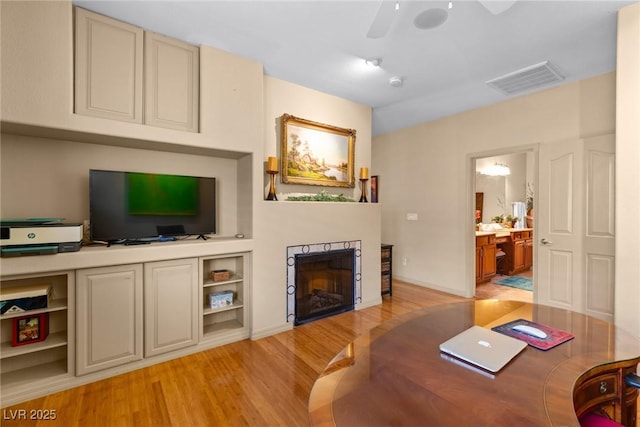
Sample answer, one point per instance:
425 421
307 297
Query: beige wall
45 169
37 87
425 169
283 97
47 151
41 177
281 224
627 297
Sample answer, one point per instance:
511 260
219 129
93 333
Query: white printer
38 236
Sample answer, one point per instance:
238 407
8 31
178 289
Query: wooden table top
396 375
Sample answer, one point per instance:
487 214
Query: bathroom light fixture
373 62
497 169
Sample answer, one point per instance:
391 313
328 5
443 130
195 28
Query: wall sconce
272 170
364 177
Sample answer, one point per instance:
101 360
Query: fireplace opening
324 284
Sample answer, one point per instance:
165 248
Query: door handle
545 241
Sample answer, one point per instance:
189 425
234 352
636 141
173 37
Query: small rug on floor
517 282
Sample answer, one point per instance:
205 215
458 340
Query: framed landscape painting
316 154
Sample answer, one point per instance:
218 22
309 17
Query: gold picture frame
316 154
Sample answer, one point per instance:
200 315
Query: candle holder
363 184
272 187
272 170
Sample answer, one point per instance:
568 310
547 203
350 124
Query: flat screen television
138 206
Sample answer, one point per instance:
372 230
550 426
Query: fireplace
322 280
324 284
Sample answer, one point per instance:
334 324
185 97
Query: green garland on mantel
322 196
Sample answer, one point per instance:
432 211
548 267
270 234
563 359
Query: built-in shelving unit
231 319
44 362
57 363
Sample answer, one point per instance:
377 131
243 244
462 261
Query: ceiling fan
429 18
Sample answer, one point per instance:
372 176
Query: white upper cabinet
108 68
171 83
127 74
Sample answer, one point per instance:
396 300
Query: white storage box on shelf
24 298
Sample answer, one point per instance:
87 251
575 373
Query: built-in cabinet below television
116 309
86 141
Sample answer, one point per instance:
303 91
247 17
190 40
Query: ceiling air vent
526 79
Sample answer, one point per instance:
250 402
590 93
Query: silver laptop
483 347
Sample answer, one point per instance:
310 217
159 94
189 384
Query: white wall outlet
412 217
404 260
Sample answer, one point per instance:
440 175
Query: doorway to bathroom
504 187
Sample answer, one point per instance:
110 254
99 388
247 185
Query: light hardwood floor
266 382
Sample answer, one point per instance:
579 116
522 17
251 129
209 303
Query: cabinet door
488 261
109 317
171 83
171 305
478 263
518 255
108 67
528 253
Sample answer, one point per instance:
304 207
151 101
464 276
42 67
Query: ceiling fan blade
496 7
383 19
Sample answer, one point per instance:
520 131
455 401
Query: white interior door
574 225
599 239
558 225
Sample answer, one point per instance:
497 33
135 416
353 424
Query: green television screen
154 194
133 205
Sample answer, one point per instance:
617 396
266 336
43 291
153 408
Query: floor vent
526 79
